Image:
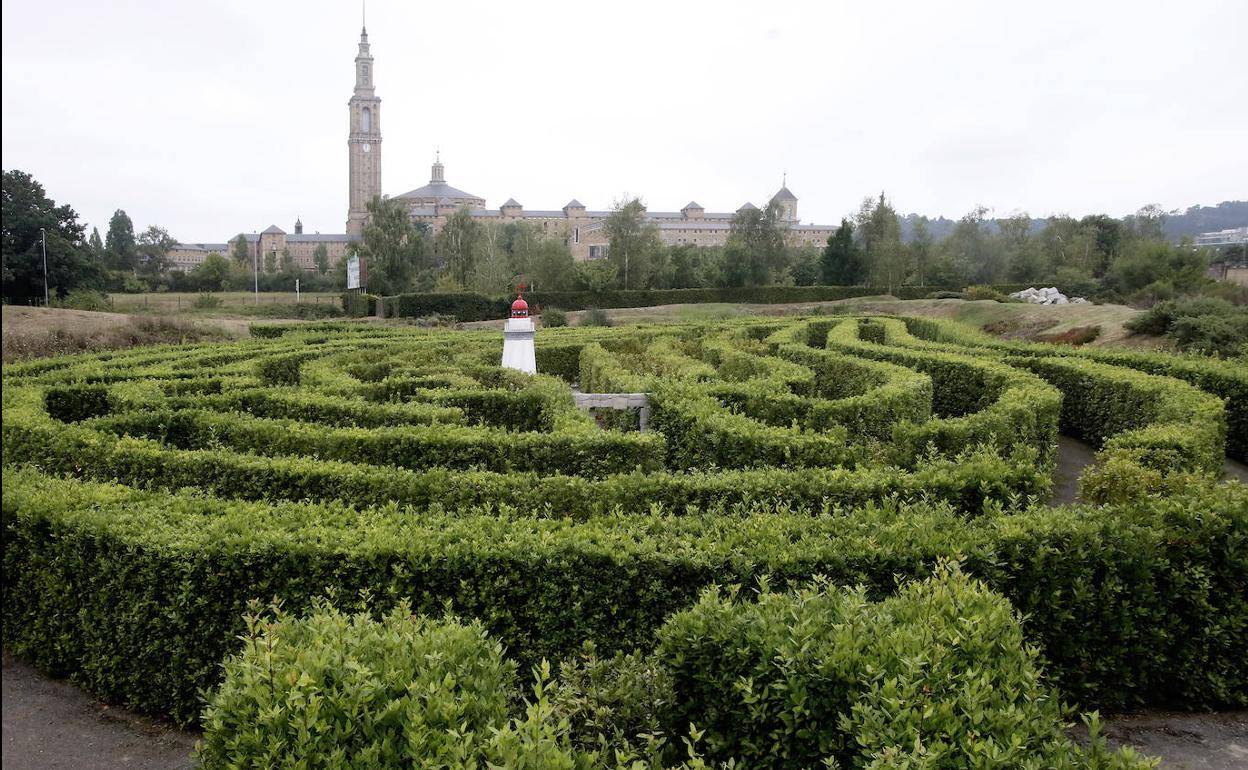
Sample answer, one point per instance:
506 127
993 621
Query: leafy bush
595 317
613 698
73 403
207 301
1204 324
553 318
84 299
936 676
985 292
281 369
332 689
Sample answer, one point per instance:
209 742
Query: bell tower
363 142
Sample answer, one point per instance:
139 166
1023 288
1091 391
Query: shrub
552 318
985 292
207 301
612 698
84 299
338 690
73 403
281 369
595 317
936 676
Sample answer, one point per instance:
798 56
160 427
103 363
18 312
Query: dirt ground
52 725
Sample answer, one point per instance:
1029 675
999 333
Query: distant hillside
1179 224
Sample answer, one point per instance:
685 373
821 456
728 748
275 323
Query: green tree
211 274
971 249
596 275
396 249
153 247
288 262
756 253
25 209
459 245
880 232
551 267
921 250
634 244
1023 257
120 249
1109 236
841 264
320 258
96 245
241 251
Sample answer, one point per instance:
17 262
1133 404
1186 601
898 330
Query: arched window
366 122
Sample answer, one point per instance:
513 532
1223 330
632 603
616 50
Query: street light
255 270
43 240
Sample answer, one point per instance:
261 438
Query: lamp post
43 241
255 270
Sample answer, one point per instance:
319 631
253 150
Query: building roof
511 203
691 205
784 195
748 207
574 204
439 190
320 238
273 229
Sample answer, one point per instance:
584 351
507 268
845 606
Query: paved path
50 725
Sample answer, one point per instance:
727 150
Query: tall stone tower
364 142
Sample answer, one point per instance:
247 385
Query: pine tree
841 264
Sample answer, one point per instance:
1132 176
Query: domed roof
519 308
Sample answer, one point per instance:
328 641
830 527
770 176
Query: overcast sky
212 118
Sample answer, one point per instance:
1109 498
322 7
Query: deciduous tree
26 209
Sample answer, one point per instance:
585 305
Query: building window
365 73
366 121
598 252
576 235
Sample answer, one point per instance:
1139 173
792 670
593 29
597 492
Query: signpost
353 272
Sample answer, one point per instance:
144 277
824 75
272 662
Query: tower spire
364 17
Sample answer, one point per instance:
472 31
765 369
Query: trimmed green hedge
1168 423
138 595
478 307
1226 379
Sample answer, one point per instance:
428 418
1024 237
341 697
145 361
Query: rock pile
1049 296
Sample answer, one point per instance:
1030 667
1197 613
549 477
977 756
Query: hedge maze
151 494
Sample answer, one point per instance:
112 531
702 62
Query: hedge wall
478 307
138 595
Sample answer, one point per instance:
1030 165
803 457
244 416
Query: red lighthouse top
519 308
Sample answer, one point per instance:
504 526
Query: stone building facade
582 229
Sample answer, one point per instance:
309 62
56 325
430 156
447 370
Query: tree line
1128 259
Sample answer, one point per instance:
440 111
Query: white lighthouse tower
518 351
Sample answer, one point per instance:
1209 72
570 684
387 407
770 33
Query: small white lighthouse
518 351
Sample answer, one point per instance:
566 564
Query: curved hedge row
1227 380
